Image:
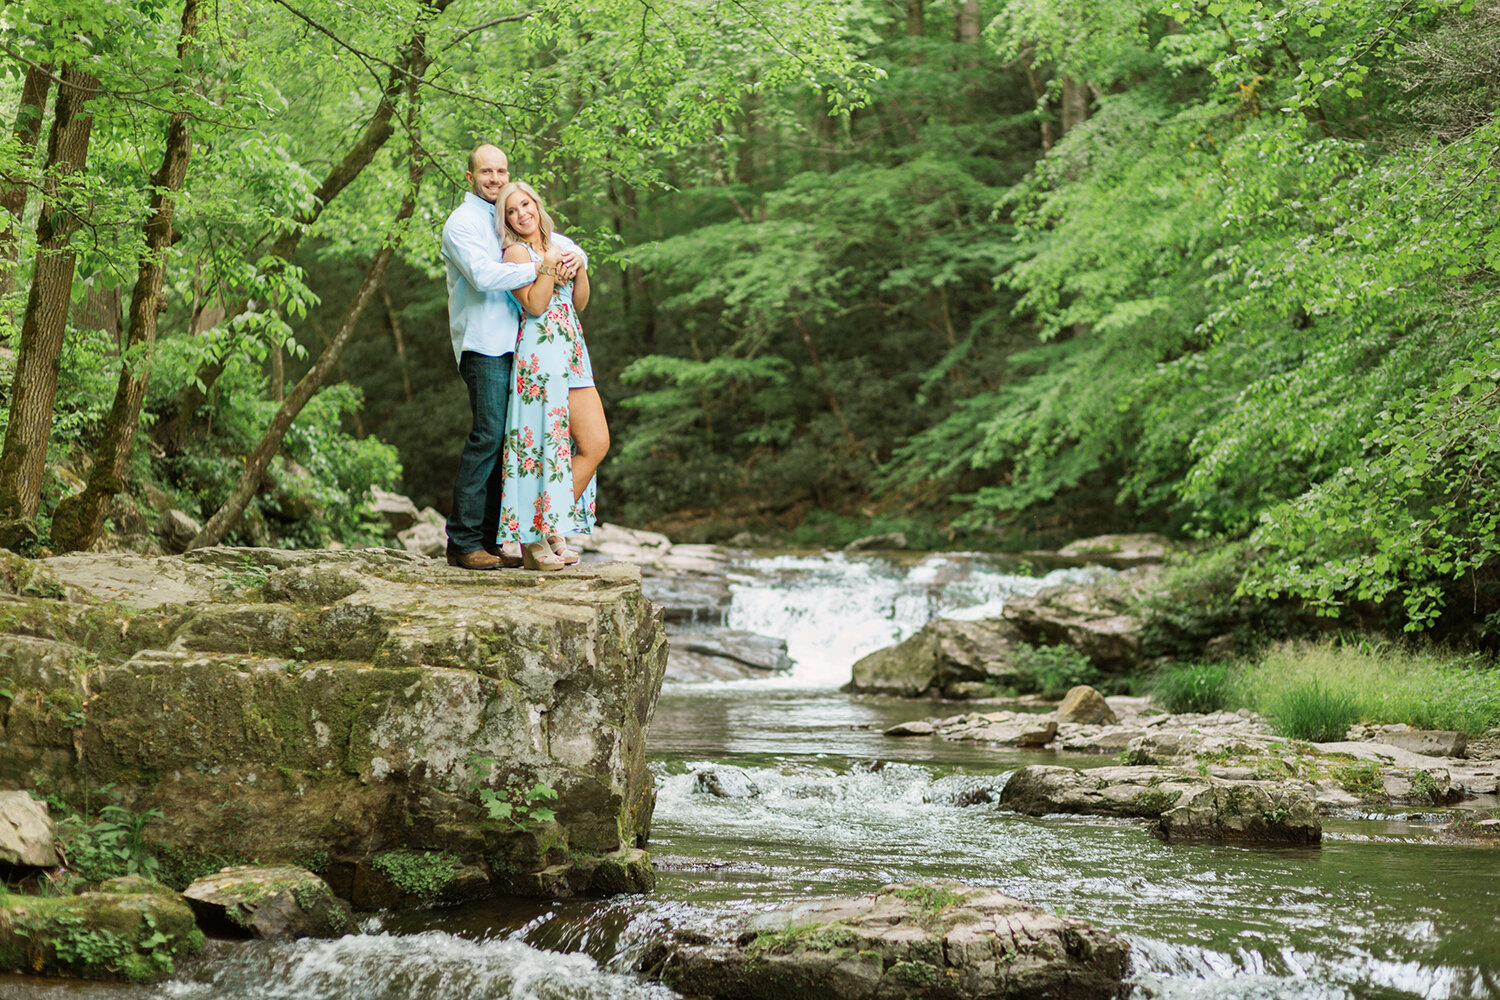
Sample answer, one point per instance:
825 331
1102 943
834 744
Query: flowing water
1374 913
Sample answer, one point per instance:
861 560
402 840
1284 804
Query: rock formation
279 705
910 941
1185 806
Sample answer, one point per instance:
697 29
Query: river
1374 913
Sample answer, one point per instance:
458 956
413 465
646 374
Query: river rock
1087 707
428 536
944 652
25 832
891 541
725 782
1120 551
135 936
917 727
1185 805
1428 742
398 511
1017 729
1093 618
272 903
724 654
177 529
934 940
345 726
689 600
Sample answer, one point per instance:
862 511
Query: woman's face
521 213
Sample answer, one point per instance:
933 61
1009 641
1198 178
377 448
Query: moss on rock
134 936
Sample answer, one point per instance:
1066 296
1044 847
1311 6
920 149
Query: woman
556 434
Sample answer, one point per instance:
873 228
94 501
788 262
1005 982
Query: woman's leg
590 435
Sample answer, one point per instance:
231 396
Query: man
483 322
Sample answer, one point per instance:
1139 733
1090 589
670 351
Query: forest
996 273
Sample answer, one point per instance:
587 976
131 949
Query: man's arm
469 251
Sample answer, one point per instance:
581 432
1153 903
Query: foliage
1055 670
515 805
1193 687
280 101
418 873
181 867
110 844
1419 519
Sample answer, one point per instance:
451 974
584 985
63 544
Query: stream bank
1384 908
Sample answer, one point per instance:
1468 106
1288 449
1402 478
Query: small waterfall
430 965
833 609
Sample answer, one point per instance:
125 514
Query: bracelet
542 269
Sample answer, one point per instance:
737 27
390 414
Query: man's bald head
488 172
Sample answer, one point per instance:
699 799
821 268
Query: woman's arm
535 296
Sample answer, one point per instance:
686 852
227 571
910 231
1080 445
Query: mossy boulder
337 704
135 936
938 939
942 656
269 902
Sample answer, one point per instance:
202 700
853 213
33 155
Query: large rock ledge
1184 806
910 941
332 707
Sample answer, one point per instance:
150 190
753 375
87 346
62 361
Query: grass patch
931 900
1320 688
1194 687
809 937
1310 711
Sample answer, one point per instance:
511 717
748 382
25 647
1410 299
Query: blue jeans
474 519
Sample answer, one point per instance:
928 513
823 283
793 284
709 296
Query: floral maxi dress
538 455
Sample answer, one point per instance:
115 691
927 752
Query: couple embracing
515 287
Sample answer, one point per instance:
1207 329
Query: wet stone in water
725 783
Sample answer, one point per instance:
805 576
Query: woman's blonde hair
502 227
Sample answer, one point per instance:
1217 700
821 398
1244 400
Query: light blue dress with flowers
551 358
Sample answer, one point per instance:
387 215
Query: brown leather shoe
478 559
509 554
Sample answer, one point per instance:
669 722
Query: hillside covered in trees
995 273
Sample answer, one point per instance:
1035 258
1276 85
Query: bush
1055 669
1193 687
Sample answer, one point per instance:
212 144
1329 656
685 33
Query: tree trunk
1039 91
228 515
966 22
399 336
24 458
916 27
79 520
27 131
1075 103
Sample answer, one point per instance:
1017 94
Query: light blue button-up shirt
481 316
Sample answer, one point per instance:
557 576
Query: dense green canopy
994 272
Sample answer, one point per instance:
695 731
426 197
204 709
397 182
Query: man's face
491 173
